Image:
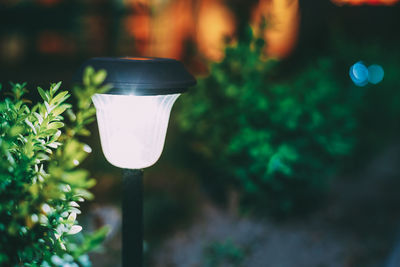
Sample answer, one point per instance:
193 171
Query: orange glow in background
138 26
49 42
365 2
282 25
168 28
171 26
215 23
161 28
136 58
135 3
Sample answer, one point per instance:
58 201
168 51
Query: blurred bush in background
278 139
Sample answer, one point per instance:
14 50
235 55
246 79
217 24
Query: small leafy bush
277 139
41 184
224 253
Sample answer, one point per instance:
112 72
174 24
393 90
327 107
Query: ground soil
358 226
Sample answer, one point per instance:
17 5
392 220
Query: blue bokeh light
359 74
375 74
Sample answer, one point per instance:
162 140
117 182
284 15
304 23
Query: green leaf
55 125
75 229
30 125
89 71
74 210
54 144
99 77
56 136
71 115
60 109
89 120
55 87
39 117
72 216
48 107
104 89
61 97
43 94
47 132
76 177
82 193
83 132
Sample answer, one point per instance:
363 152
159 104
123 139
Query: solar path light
132 118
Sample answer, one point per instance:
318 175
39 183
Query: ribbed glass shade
133 128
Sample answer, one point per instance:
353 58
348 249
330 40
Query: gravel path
357 228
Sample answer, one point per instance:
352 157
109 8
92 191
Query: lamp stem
132 218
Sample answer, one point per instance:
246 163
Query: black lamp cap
141 75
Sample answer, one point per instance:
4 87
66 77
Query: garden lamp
132 118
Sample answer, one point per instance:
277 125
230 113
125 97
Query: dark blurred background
200 205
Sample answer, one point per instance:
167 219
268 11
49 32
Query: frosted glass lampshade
133 115
133 127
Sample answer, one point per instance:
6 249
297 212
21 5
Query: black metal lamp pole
129 79
132 218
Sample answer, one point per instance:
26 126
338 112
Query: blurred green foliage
379 106
224 253
40 182
168 204
277 138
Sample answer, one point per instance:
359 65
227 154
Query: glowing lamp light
133 116
133 128
133 119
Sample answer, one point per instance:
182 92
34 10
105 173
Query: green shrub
278 139
168 203
223 254
40 182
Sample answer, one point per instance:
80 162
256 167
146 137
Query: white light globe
133 128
